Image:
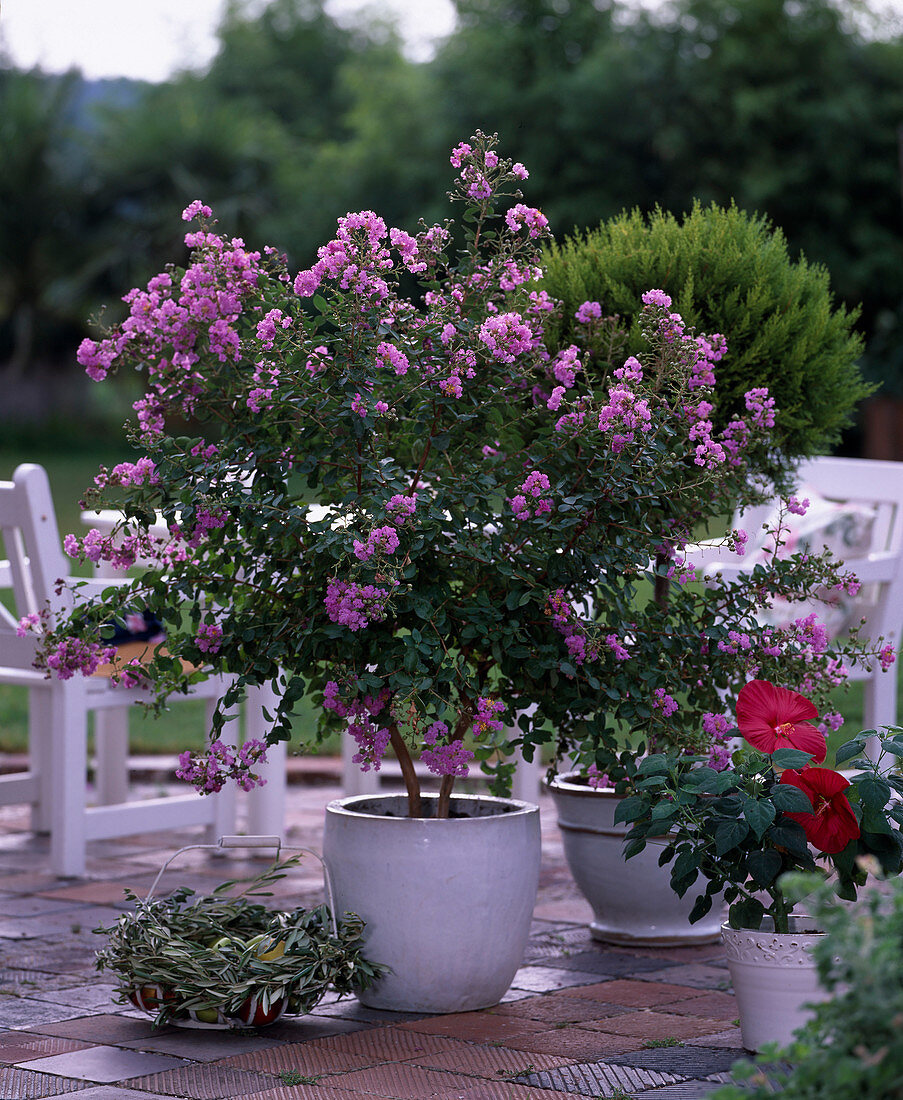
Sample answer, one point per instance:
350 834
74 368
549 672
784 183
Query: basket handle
256 842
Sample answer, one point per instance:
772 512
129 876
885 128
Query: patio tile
69 919
543 979
684 1061
22 1084
17 905
400 1081
637 994
474 1026
23 1012
647 1024
19 1046
297 1057
717 1006
304 1028
102 892
103 1064
98 996
386 1044
104 1028
201 1046
575 1044
115 1092
492 1061
202 1082
321 1090
729 1039
700 975
496 1090
558 1008
682 1090
601 1079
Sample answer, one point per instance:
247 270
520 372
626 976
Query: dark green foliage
730 272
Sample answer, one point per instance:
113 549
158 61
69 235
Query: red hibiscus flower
772 717
832 824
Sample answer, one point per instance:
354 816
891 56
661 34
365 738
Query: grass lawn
181 727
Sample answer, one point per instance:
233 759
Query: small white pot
774 977
447 902
632 899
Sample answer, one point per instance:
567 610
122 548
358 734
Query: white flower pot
632 899
774 977
447 903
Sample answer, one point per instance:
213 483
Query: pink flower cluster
173 327
520 216
372 740
355 605
531 494
400 508
588 312
209 772
506 336
486 719
381 540
73 655
566 622
444 757
623 416
209 638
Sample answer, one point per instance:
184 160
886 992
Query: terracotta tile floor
581 1019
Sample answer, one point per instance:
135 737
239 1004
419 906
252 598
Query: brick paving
581 1018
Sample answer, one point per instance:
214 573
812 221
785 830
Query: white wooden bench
55 784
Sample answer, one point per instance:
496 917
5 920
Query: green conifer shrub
727 271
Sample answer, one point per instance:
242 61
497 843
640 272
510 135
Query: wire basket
169 967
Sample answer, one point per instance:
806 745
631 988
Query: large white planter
447 902
774 976
632 899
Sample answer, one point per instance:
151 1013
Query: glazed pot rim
565 781
506 809
728 927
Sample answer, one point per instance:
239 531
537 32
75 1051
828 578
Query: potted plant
406 507
853 1037
772 811
222 961
679 651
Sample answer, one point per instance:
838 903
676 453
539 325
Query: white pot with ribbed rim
774 978
447 902
631 899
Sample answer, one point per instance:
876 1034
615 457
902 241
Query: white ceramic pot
774 977
632 899
447 903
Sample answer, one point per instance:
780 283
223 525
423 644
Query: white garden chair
871 493
55 782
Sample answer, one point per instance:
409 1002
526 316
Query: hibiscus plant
771 812
402 504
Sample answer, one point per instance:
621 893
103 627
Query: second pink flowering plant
414 510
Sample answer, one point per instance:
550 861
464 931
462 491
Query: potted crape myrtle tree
402 507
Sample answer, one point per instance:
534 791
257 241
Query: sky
151 40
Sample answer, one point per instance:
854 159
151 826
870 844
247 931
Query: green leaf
746 913
790 835
849 750
630 809
764 865
759 815
729 834
873 792
789 799
790 758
